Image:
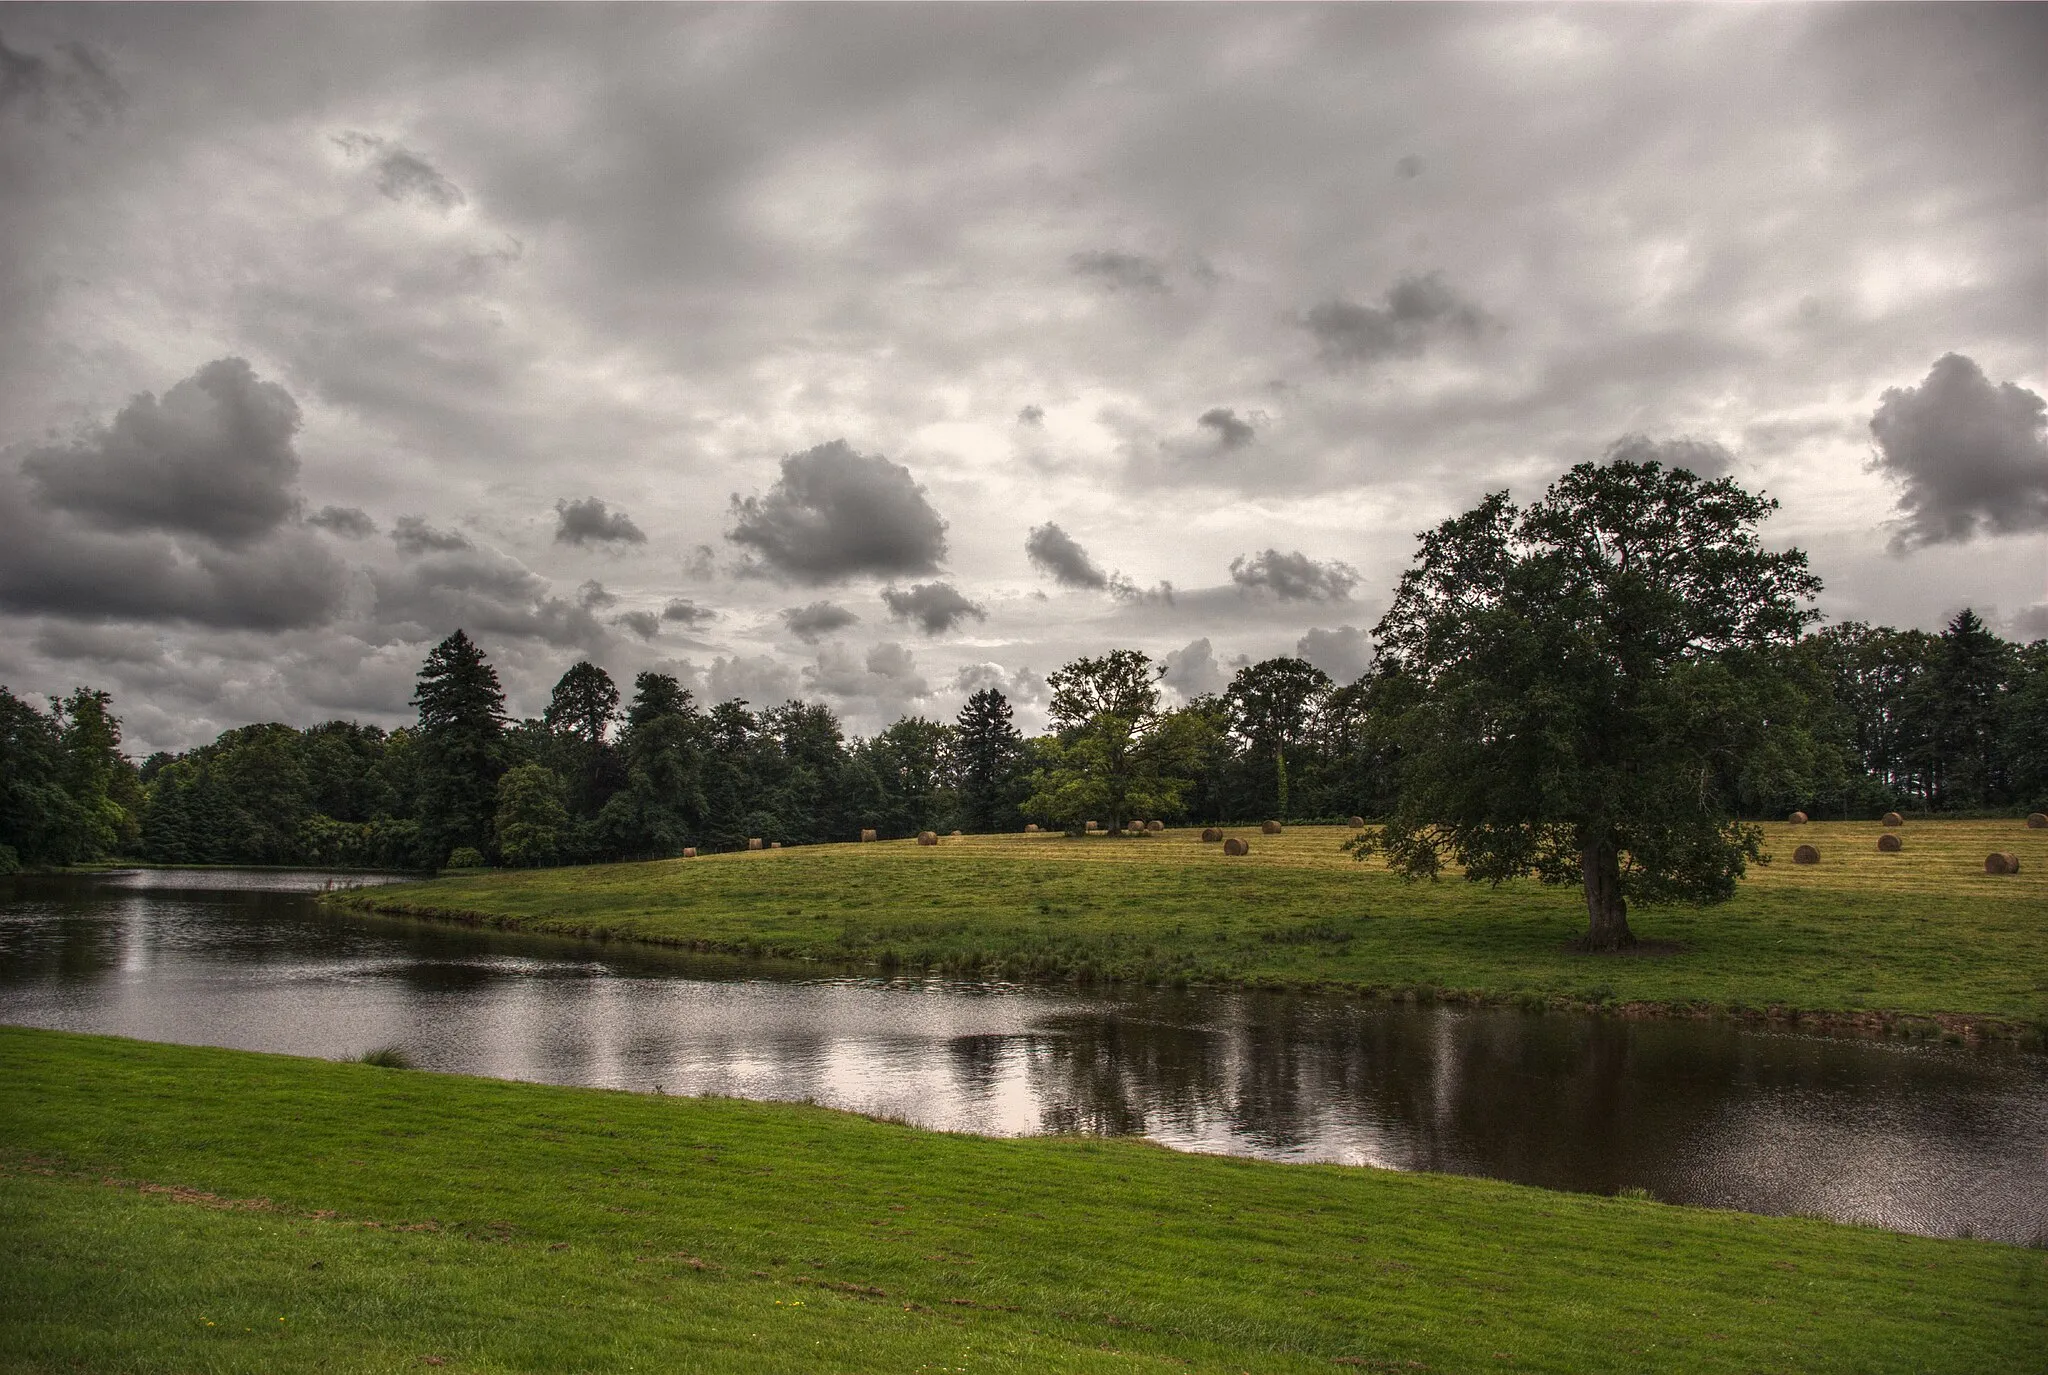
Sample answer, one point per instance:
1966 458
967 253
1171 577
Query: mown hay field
1923 931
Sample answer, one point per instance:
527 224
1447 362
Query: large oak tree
1580 689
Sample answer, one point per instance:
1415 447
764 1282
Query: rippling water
1936 1139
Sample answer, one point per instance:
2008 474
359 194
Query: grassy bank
179 1209
1920 932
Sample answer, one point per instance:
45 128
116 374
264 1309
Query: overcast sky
874 355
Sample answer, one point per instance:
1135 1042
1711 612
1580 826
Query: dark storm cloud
1120 271
687 613
1344 653
53 564
1192 671
414 536
1294 577
76 81
812 623
213 458
588 522
1701 457
403 174
1231 432
934 607
1416 310
835 514
645 624
1970 458
349 522
1054 552
1031 415
593 595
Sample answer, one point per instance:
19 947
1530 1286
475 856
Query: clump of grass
387 1057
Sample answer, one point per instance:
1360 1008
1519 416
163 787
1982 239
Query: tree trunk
1606 913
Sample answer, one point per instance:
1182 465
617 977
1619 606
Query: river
1938 1139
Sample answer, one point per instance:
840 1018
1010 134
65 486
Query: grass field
170 1208
1921 932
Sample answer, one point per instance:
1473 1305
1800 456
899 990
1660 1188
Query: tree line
1892 719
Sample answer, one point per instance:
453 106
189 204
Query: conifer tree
461 731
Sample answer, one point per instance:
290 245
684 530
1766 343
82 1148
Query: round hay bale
775 845
1894 819
1806 854
1210 834
753 842
927 837
1357 823
1094 826
1155 825
1996 863
689 852
956 835
1271 828
1136 828
867 833
1234 846
2037 821
1890 844
1031 828
1797 819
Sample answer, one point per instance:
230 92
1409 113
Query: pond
1939 1139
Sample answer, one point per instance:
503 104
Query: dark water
1934 1139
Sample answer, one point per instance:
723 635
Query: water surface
1944 1140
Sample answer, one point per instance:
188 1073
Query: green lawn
169 1208
1921 932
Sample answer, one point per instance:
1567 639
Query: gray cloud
1192 670
1408 166
881 685
1344 653
483 592
51 564
588 522
593 596
759 679
1022 687
401 173
347 521
413 535
1701 457
1294 577
1121 271
1970 458
1127 591
1231 432
645 624
1054 552
213 458
835 513
935 607
814 622
75 81
1031 415
1416 310
687 613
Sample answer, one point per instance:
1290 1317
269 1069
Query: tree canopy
1582 689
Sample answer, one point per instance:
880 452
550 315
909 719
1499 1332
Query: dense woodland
1954 722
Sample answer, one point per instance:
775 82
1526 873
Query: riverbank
1921 941
177 1208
